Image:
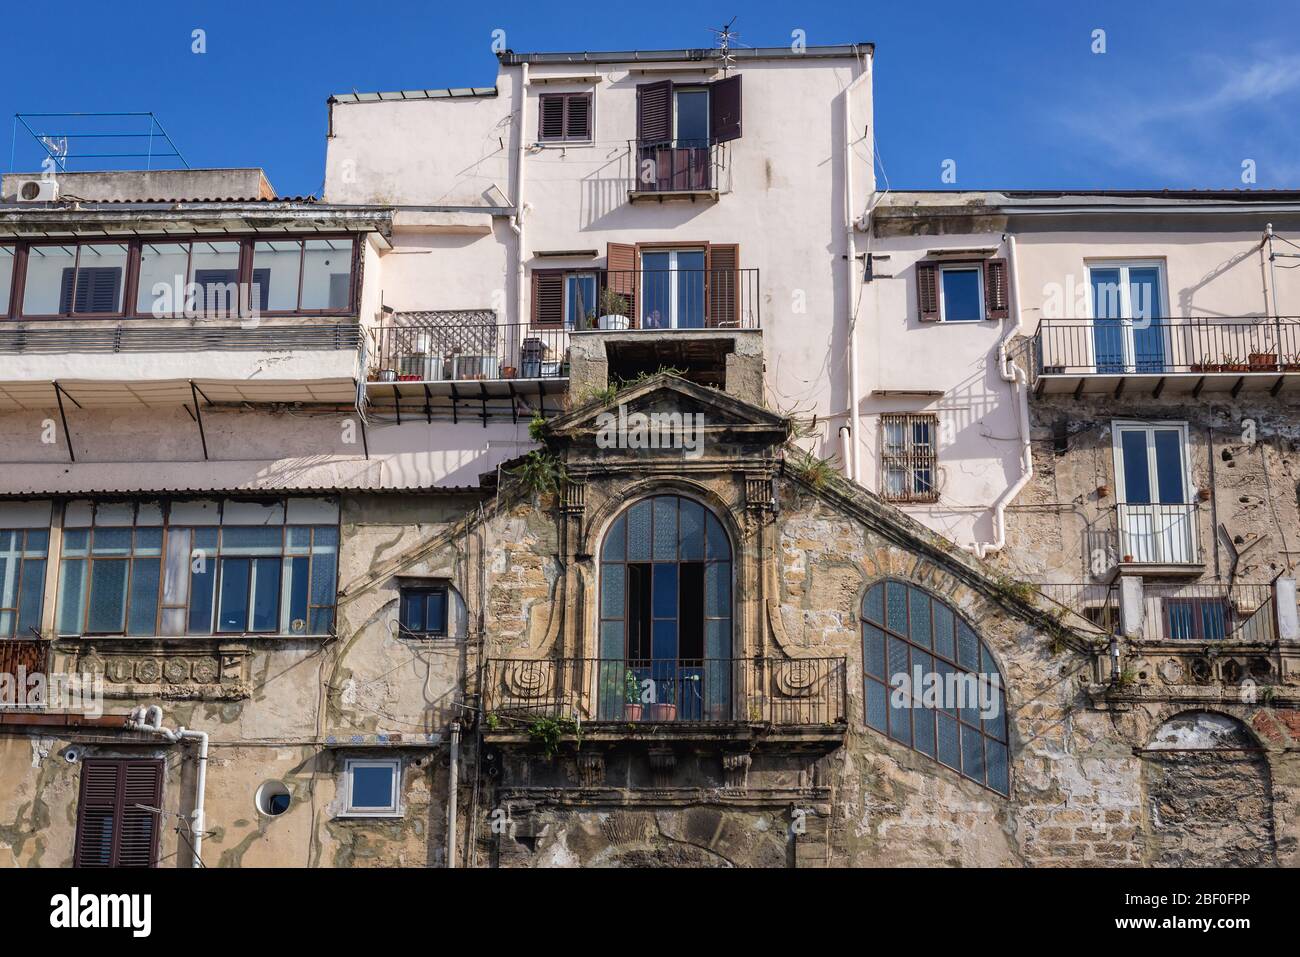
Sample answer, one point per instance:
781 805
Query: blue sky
1184 93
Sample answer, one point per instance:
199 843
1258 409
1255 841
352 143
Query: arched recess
666 612
929 682
1207 794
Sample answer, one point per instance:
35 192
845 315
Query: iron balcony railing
1209 612
676 299
1158 534
785 692
1175 612
678 166
432 351
1167 345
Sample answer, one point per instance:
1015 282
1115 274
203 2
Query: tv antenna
725 36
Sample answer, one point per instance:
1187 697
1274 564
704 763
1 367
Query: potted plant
613 310
1263 361
1233 363
1291 363
664 710
631 696
508 372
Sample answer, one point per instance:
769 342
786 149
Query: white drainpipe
452 784
517 220
150 720
1010 372
851 464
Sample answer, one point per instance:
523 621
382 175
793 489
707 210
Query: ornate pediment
667 417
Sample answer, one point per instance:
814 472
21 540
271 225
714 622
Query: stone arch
1207 796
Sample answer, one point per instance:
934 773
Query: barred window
908 457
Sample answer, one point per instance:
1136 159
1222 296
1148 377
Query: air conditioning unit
38 191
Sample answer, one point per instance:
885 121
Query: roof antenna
725 36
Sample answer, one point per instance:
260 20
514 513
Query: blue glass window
372 786
665 613
957 714
963 293
424 611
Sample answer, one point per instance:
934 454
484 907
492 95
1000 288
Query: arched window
930 683
665 614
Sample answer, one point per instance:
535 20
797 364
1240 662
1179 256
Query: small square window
909 457
564 117
371 787
962 293
424 611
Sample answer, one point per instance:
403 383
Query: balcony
1194 612
1166 356
1152 540
677 170
465 364
647 698
135 363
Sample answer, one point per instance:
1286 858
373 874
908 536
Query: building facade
601 475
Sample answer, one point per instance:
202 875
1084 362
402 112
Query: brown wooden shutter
997 295
113 829
927 291
548 297
550 120
654 112
577 116
621 275
724 110
722 295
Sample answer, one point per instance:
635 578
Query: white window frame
394 765
1131 425
595 305
1162 532
1126 301
978 269
708 103
562 144
673 317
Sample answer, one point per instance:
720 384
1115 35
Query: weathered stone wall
277 709
1242 452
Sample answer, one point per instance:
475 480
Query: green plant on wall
809 468
539 473
537 429
548 732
